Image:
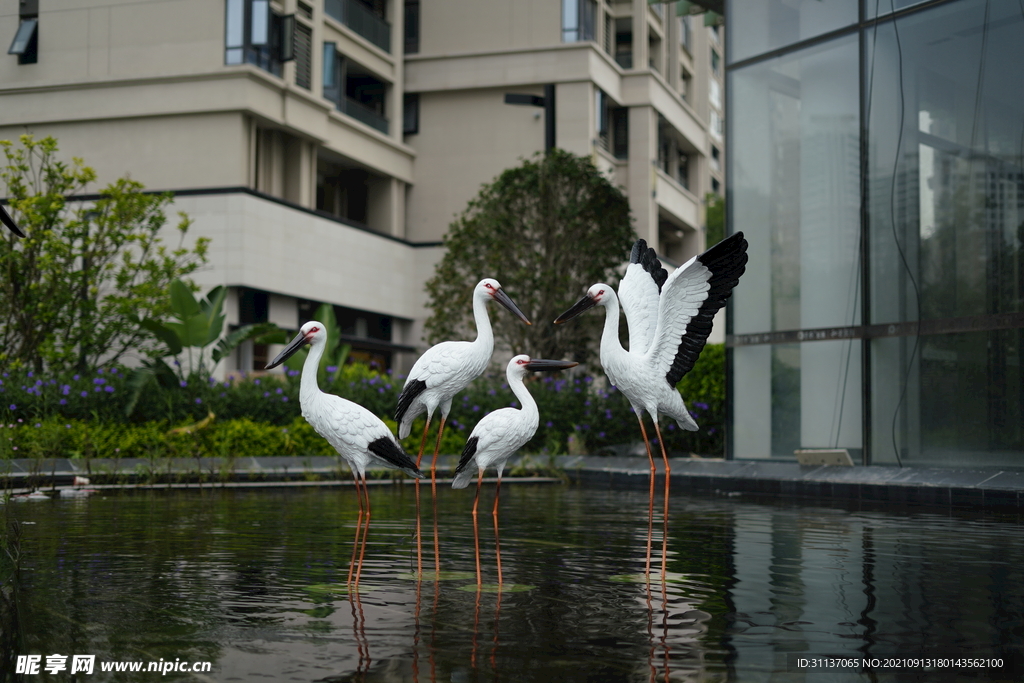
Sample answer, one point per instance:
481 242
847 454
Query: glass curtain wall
946 229
880 157
796 195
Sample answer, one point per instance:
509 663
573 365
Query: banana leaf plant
197 326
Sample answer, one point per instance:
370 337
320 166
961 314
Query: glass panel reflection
796 189
946 207
755 28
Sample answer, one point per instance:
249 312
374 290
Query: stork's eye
314 330
600 292
521 362
488 285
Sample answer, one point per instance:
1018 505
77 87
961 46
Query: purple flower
266 393
198 400
63 401
38 425
109 389
99 371
279 391
491 392
98 389
84 394
332 368
292 373
607 414
600 435
587 402
712 430
30 373
256 381
284 399
549 423
39 382
671 427
67 426
182 383
99 380
702 406
380 390
476 409
75 377
222 394
65 389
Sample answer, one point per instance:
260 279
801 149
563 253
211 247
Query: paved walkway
989 488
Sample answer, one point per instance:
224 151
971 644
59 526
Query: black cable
895 236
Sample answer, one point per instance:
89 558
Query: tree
546 230
70 290
715 219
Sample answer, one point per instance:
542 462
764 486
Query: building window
26 38
365 18
303 53
411 114
715 92
715 65
716 163
354 90
685 37
717 124
579 20
253 34
601 118
412 26
620 132
685 82
683 169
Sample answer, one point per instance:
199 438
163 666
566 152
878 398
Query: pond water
253 582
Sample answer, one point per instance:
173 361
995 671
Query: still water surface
253 581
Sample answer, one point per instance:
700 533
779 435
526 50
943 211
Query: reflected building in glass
875 166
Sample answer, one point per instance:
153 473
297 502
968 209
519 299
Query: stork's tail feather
412 389
463 473
390 452
462 479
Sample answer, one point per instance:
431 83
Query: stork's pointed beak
6 219
544 364
293 346
584 304
505 300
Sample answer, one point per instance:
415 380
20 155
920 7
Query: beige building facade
325 146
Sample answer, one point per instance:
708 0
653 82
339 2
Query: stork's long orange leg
359 528
419 538
476 527
366 533
664 535
433 493
650 505
497 541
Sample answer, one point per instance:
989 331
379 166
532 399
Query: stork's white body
348 427
636 373
448 368
667 328
503 432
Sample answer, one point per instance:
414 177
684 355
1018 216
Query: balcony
362 20
362 113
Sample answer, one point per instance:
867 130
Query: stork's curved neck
484 334
610 344
308 388
529 406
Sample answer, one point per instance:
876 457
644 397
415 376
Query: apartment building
325 146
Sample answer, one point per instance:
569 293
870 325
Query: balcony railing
360 19
360 112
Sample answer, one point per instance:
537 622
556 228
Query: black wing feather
405 399
727 261
391 453
648 258
467 454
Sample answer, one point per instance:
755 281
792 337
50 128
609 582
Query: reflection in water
255 582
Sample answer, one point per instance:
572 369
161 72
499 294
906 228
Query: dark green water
252 581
